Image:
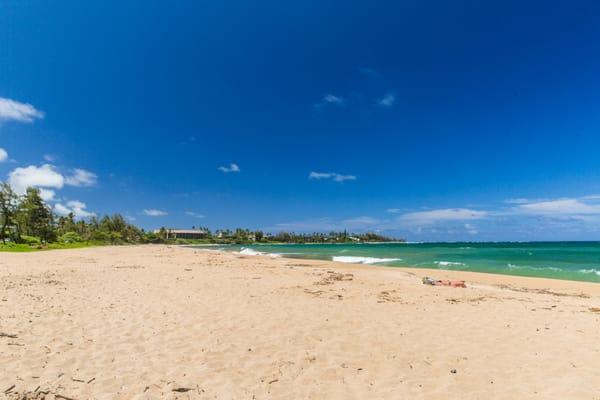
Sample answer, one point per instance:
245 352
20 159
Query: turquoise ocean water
561 260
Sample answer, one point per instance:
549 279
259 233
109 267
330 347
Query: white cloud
152 212
231 168
47 194
45 176
560 207
331 175
387 101
442 215
76 204
3 155
11 110
81 177
48 179
394 210
76 207
61 209
49 157
194 214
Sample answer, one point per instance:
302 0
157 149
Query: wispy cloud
442 215
559 207
316 224
194 214
331 175
369 72
360 223
520 200
387 101
330 99
591 197
326 224
3 155
11 110
231 168
471 230
571 218
152 212
81 177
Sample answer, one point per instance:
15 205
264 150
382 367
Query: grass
25 248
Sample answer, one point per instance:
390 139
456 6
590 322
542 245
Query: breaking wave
590 271
448 263
246 251
363 260
514 266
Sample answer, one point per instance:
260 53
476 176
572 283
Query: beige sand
166 322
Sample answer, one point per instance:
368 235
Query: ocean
560 260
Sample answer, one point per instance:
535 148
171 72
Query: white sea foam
246 251
590 271
447 263
363 260
513 266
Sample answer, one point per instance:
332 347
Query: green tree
8 209
35 216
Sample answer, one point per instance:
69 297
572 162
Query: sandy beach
153 322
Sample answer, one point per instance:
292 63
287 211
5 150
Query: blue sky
430 120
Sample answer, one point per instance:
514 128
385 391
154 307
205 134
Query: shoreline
487 278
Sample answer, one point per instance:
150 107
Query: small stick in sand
60 396
182 389
8 335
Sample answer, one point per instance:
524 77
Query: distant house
185 233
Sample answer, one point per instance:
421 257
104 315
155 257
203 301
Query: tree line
241 236
27 219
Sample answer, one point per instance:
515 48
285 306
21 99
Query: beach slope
153 322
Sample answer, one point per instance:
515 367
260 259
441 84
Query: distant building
185 233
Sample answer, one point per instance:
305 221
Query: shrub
70 237
101 236
116 238
31 240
